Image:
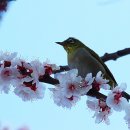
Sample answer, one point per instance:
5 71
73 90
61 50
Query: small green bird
85 60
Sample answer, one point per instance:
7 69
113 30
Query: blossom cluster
71 87
23 76
114 101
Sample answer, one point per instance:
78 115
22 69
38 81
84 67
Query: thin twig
62 69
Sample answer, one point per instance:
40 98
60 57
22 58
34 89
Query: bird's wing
103 64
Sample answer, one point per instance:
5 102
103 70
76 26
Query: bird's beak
60 43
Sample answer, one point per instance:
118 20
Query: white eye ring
70 40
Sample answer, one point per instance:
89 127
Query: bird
85 60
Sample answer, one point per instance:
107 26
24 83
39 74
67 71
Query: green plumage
85 60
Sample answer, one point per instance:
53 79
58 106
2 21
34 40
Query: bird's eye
70 40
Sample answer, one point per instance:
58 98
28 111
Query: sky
31 29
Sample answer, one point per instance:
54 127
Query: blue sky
31 28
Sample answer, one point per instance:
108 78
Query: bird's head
70 44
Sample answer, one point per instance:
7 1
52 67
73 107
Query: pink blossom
30 92
102 111
70 83
62 100
100 82
25 69
38 69
7 56
86 84
67 93
49 68
7 75
115 99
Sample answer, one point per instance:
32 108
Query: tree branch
115 55
48 79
